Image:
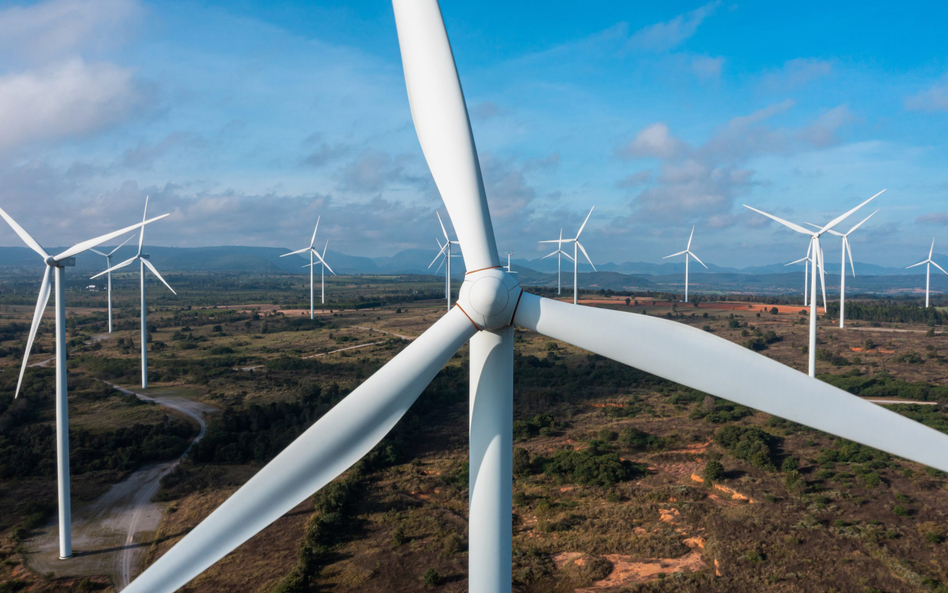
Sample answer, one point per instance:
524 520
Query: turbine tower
928 269
322 274
447 253
108 264
490 303
817 254
559 253
847 250
57 264
576 245
688 254
142 264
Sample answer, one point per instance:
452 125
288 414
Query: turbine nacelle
490 298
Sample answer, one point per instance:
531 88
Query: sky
246 120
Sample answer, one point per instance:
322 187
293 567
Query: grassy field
623 481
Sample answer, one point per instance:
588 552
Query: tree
628 301
432 578
713 472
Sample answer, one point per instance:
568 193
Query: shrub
713 472
521 462
432 578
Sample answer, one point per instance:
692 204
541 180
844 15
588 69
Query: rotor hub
490 297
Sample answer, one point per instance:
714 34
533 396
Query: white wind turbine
559 253
817 255
490 303
322 273
807 261
576 245
108 264
688 254
847 250
57 264
446 251
928 269
142 264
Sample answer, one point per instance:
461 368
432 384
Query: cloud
67 100
486 110
706 67
940 218
373 170
654 141
635 179
144 154
932 99
48 31
670 34
796 73
326 153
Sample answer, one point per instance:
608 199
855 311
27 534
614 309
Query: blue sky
246 120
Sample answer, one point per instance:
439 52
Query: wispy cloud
670 34
933 99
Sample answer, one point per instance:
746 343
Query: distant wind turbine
817 253
847 250
928 270
446 251
576 245
806 272
322 277
57 264
108 264
142 264
559 253
688 254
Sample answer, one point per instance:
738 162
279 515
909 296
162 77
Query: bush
713 472
521 462
750 444
432 578
594 466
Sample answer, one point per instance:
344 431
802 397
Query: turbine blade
122 244
443 127
440 253
557 241
801 260
330 446
316 228
931 249
323 261
697 260
676 254
86 245
41 301
730 371
849 252
583 249
99 252
859 224
30 241
785 223
584 223
939 267
545 256
141 232
443 230
817 227
115 267
844 216
303 250
566 255
819 252
918 264
690 237
323 256
151 267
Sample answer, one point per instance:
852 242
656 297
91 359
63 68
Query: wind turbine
688 254
142 264
490 303
108 264
806 272
446 251
57 264
847 250
559 253
928 269
322 274
817 254
576 245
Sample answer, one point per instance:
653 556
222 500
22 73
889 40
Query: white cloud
706 67
670 34
934 98
67 100
797 73
655 141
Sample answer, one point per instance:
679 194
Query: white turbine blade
584 223
316 228
819 252
122 244
931 249
566 255
583 249
99 252
801 260
785 223
676 254
939 267
443 260
849 252
141 232
303 250
86 245
323 261
323 256
30 241
330 446
697 260
440 253
115 267
918 264
690 237
843 217
724 369
151 267
443 127
41 301
859 224
545 256
557 241
443 230
817 227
